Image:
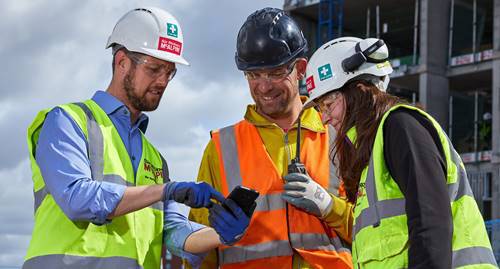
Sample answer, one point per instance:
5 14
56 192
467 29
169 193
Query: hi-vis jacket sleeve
209 173
341 218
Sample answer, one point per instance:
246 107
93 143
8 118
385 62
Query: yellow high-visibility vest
130 241
380 237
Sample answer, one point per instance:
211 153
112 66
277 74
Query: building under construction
446 58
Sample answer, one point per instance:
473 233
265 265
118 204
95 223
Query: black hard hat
268 38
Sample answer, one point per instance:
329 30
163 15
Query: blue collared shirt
61 154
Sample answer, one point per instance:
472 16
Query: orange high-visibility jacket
277 230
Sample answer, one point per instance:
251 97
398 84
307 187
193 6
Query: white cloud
16 213
7 108
181 126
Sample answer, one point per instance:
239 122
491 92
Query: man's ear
301 65
122 62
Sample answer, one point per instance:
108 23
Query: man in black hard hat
256 152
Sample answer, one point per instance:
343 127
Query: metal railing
493 228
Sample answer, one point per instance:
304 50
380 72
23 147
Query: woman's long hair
364 108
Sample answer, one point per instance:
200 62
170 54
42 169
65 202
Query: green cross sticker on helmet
151 31
171 30
325 72
367 59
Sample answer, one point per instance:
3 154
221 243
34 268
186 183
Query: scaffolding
330 20
493 228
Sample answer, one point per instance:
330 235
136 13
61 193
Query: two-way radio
296 166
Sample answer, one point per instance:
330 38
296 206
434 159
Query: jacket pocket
383 246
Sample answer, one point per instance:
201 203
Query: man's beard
281 110
277 112
139 103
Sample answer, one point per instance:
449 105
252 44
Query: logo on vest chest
361 190
151 172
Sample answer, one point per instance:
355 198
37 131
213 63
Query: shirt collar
310 119
107 102
111 104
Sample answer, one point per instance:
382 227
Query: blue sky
53 52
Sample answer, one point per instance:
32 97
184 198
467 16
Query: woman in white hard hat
413 203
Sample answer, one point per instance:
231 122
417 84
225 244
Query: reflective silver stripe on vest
164 170
462 186
96 150
386 209
270 202
39 196
95 144
473 255
378 210
61 261
230 158
252 252
315 241
229 151
116 179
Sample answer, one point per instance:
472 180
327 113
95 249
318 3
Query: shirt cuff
180 235
111 195
177 229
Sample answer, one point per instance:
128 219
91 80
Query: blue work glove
229 225
192 194
303 192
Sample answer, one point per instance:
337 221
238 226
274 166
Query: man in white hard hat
102 193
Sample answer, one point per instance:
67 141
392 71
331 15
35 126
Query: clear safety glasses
153 70
276 75
326 104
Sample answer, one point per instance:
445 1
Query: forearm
136 198
202 241
208 172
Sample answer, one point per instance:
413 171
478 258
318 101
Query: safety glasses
326 104
153 70
275 75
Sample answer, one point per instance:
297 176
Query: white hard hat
345 59
152 31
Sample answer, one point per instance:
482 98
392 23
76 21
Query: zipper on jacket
287 149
